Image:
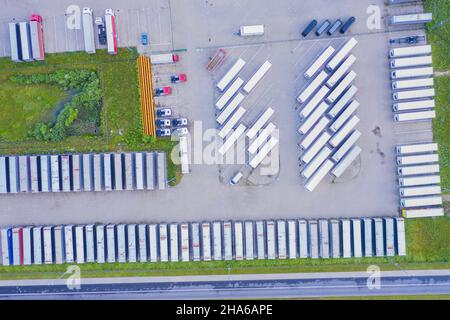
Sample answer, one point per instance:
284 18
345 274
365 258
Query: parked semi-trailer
413 83
341 71
389 241
163 243
411 62
88 31
195 228
324 241
228 240
13 175
254 30
319 62
412 73
231 73
185 255
25 41
37 245
80 244
249 240
37 39
271 245
23 174
357 238
131 243
153 239
90 243
17 241
417 148
417 170
313 239
400 236
420 191
303 238
48 245
33 175
341 54
292 239
410 51
111 243
111 31
14 41
121 243
4 246
415 116
217 241
260 240
164 58
335 243
100 243
346 238
238 241
118 172
413 105
206 241
414 18
379 237
142 242
3 176
281 239
368 239
59 244
107 172
174 251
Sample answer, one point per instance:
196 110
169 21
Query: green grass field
438 32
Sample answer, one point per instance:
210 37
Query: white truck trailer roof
217 240
303 239
249 240
292 236
357 238
270 229
131 243
313 239
324 241
260 240
368 237
231 74
281 239
174 250
153 240
100 243
195 228
206 241
185 248
142 243
163 243
228 240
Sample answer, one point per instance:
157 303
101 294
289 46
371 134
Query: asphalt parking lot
201 27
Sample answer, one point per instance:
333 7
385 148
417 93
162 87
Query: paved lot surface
201 27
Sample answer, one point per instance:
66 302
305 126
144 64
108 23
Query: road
414 282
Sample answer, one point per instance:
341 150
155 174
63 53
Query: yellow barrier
146 94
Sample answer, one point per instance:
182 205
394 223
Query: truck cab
179 122
36 17
163 132
236 178
178 78
163 91
164 112
87 10
163 123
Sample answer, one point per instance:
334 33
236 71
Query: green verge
121 118
438 32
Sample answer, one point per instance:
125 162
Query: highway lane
228 287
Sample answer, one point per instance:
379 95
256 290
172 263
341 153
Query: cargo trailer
260 122
413 105
164 58
142 243
357 238
315 147
413 83
262 138
48 244
131 243
263 152
260 240
319 62
417 148
367 236
3 176
324 239
185 248
37 39
346 146
65 173
161 165
195 228
153 238
344 116
419 181
346 161
80 244
379 237
335 243
310 137
281 239
87 172
25 41
411 62
341 54
313 102
23 174
346 238
17 241
257 77
33 176
110 243
249 239
88 31
313 239
206 241
163 243
234 103
418 169
231 74
400 236
423 213
111 31
341 71
100 243
341 87
55 177
417 159
90 243
37 245
271 245
254 30
150 170
315 115
108 173
413 18
217 241
292 236
343 101
234 119
420 191
69 244
318 176
232 138
118 172
139 167
303 239
412 73
121 243
311 167
15 42
312 87
413 94
238 241
227 241
13 174
4 246
415 116
410 51
59 244
389 241
9 235
425 201
229 93
98 172
174 251
76 169
339 137
129 176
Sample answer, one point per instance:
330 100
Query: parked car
335 26
323 26
178 78
180 131
163 91
179 122
163 123
309 28
144 38
164 112
347 25
163 132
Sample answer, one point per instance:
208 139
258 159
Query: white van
237 177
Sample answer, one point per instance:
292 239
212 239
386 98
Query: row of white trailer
328 116
220 240
83 172
26 40
412 82
419 180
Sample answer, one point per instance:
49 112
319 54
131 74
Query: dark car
324 26
335 26
309 28
347 25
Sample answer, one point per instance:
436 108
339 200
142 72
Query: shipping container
121 243
206 241
324 239
343 101
118 172
139 168
111 243
319 62
131 243
400 236
312 87
313 236
142 236
257 76
13 174
128 171
153 238
150 171
303 239
271 241
4 246
260 240
281 239
341 71
48 245
90 243
174 251
3 176
346 238
254 30
313 102
56 183
229 93
69 244
379 237
420 191
65 173
98 172
357 238
87 172
108 173
368 238
100 243
185 256
335 234
292 236
417 148
163 243
341 54
217 241
389 241
231 74
23 174
249 240
37 245
17 240
80 244
59 244
195 241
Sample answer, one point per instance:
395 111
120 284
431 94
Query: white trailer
111 31
256 127
98 174
422 213
163 243
174 251
88 31
232 138
413 83
100 243
417 148
257 76
292 235
69 244
206 241
59 244
37 245
80 244
238 241
421 201
121 243
419 181
346 161
260 240
412 73
3 176
254 30
150 169
27 246
34 178
420 191
270 229
313 102
346 238
318 176
281 239
413 94
312 87
87 172
389 236
413 18
108 177
342 102
335 243
309 138
164 58
339 73
324 240
23 174
249 239
76 173
262 138
4 247
413 105
349 142
317 145
14 39
228 240
341 54
313 236
17 246
54 161
139 167
118 174
111 243
417 159
195 228
319 62
217 241
48 244
368 239
341 87
231 73
65 173
128 171
234 119
313 118
400 236
379 237
263 152
153 240
237 100
185 256
232 89
142 243
417 170
411 62
303 239
415 116
357 238
161 165
25 41
90 243
13 175
410 51
344 131
344 116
